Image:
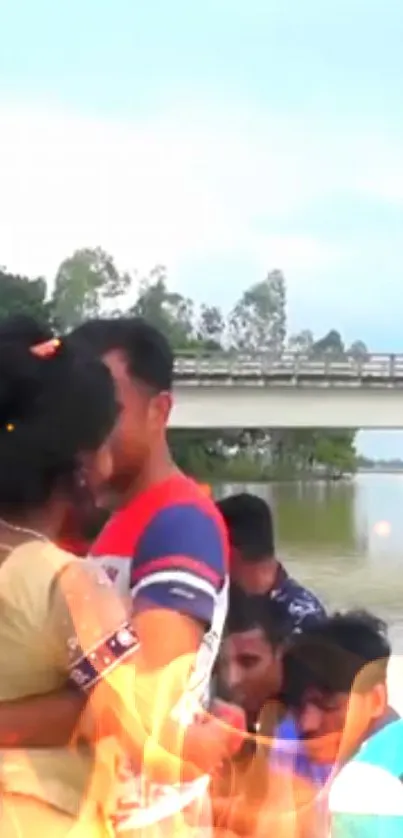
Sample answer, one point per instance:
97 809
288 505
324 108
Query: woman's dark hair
52 408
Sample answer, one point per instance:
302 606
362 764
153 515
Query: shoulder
30 574
181 558
185 525
301 602
365 789
165 506
45 560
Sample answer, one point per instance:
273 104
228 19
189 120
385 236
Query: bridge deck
289 370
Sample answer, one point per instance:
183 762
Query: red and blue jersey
169 544
168 547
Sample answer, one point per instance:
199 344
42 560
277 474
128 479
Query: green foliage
19 295
336 453
169 311
330 345
89 283
358 350
323 451
210 328
258 320
301 343
85 282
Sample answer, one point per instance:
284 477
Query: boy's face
249 669
255 578
333 726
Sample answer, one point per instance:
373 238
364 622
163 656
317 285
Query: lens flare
382 529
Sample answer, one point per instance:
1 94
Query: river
345 541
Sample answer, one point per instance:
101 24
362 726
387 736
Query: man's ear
162 404
379 701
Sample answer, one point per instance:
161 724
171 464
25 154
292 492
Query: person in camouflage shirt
254 566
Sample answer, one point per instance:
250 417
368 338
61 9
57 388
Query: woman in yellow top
60 621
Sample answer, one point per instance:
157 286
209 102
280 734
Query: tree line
89 284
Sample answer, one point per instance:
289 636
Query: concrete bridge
244 391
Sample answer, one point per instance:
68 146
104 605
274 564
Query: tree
330 344
167 310
151 299
302 343
20 295
358 350
336 452
258 321
85 283
210 327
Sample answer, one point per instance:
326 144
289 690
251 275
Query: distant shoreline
380 470
298 478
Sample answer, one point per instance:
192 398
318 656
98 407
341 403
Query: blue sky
223 138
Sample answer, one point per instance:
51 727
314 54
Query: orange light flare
382 529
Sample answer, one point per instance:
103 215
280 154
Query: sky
222 139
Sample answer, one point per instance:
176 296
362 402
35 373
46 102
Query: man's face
140 426
249 669
252 577
333 726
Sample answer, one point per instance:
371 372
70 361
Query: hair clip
10 427
46 349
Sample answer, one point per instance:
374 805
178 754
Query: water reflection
317 517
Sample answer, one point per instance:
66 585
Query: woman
60 621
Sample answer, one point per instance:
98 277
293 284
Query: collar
389 716
281 579
387 719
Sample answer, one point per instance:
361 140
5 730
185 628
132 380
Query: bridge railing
289 366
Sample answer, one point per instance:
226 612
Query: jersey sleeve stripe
176 577
182 598
198 568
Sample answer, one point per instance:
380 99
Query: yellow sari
46 597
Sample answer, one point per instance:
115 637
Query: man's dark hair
329 656
147 351
52 409
247 612
250 525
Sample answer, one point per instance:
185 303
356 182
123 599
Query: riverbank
241 470
295 454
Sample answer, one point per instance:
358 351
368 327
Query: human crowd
161 672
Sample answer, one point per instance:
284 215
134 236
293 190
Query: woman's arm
102 656
44 721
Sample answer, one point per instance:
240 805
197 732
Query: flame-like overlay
128 715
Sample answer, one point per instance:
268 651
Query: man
272 764
253 563
250 660
249 674
335 679
165 547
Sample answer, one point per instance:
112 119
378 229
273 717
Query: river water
345 541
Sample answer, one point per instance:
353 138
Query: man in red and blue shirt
167 548
166 545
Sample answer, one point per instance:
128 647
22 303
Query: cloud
164 191
196 188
